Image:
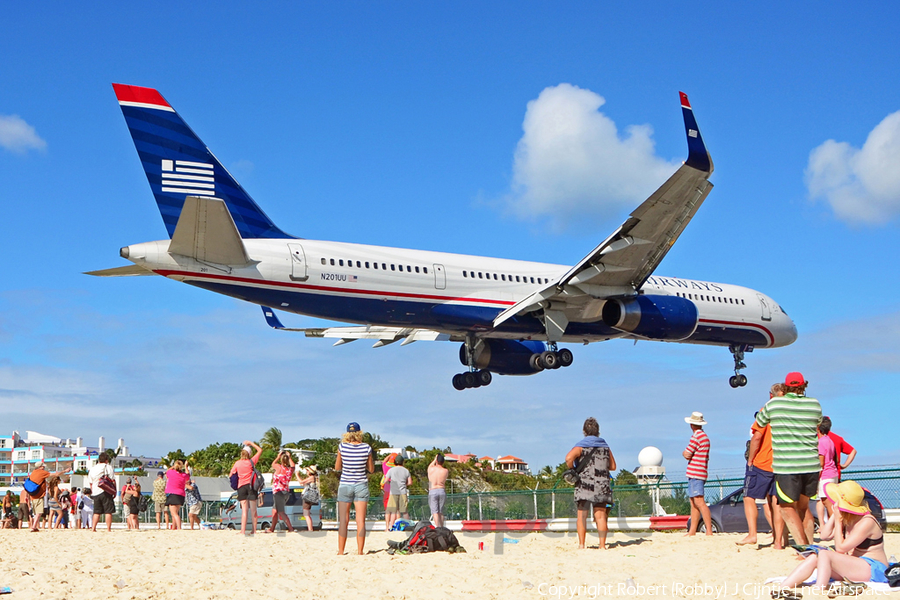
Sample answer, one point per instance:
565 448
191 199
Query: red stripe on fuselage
736 324
318 288
142 95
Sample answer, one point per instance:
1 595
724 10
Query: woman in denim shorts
354 461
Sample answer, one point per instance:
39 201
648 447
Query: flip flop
785 594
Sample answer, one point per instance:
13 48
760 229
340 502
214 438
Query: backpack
440 539
417 540
258 483
425 537
143 504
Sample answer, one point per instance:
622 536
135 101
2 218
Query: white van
231 512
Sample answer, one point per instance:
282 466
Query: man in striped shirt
697 455
795 453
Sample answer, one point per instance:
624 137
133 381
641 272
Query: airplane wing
624 261
344 335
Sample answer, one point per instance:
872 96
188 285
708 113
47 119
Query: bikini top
868 542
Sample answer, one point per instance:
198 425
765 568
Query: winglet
271 318
698 157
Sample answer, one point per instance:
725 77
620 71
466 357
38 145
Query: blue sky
519 130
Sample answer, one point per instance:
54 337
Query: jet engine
667 318
505 357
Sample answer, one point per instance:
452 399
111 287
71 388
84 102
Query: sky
507 129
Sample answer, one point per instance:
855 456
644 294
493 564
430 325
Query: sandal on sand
785 594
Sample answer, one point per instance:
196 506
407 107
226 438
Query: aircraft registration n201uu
508 316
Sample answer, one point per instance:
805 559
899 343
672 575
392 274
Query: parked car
231 512
727 514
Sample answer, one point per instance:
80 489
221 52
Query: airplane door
766 310
298 263
440 278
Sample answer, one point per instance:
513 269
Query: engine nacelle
504 357
655 317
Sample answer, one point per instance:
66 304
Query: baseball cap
353 427
795 379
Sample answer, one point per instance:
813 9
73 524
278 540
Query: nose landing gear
737 350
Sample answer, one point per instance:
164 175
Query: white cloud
18 136
571 160
861 185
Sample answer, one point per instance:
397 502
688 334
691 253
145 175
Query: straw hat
696 418
848 496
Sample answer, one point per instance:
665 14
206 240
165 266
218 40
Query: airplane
509 316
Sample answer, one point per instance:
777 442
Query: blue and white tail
178 164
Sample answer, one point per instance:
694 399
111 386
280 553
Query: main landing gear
551 359
474 377
737 350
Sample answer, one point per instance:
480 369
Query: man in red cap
794 419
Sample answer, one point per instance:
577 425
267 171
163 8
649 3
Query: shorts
695 487
789 488
353 492
104 504
821 489
588 505
877 570
280 499
126 508
24 513
194 509
159 506
174 500
397 503
759 484
37 505
246 492
436 500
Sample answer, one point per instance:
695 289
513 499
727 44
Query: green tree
215 460
271 439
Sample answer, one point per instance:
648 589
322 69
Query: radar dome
651 456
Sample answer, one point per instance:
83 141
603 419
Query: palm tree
271 438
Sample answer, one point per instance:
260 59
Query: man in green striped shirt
795 455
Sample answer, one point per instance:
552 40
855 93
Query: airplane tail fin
178 164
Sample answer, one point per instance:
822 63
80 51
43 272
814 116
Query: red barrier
669 523
510 525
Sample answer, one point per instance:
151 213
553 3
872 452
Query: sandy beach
155 564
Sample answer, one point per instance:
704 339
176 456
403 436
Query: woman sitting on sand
593 490
858 544
354 461
283 472
246 493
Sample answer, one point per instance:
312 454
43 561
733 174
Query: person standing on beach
593 491
354 461
310 483
399 481
282 473
246 492
840 446
437 494
126 493
194 502
24 508
828 461
39 477
697 455
176 480
794 418
759 481
159 499
87 508
104 503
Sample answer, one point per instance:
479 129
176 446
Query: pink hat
795 379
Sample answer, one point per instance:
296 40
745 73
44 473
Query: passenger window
332 262
425 269
495 277
375 265
465 274
408 269
417 269
479 275
367 264
358 264
341 262
384 266
517 279
503 277
323 261
392 268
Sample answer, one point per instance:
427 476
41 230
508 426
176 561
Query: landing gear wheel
741 380
733 381
485 377
536 363
458 382
565 357
470 379
550 360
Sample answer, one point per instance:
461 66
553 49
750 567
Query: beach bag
143 504
893 574
573 476
440 539
234 481
416 542
258 483
311 494
30 486
107 484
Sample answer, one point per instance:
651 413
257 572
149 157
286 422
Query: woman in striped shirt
354 461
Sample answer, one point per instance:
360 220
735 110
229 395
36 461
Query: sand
222 565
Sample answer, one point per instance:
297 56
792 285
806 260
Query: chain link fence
628 500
